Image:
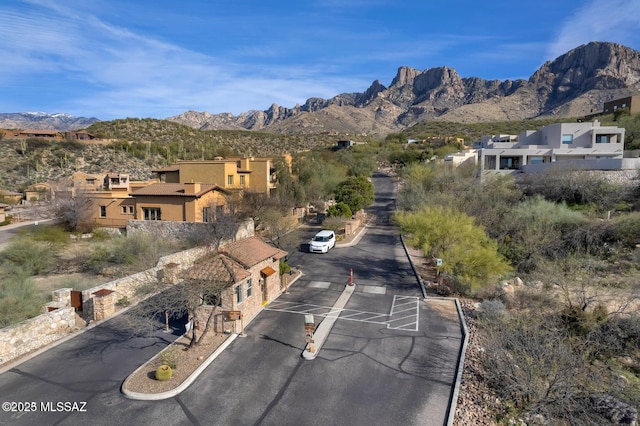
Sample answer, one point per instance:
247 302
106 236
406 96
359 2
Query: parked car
322 242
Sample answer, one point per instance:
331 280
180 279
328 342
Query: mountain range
574 84
44 121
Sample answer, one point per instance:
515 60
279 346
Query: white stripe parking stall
405 313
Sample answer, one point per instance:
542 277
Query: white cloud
127 73
599 20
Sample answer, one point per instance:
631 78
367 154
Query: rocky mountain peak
573 84
404 76
593 66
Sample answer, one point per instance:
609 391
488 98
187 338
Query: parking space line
401 305
404 313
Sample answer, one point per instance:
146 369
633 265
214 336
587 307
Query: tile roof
171 168
39 132
252 250
173 189
217 267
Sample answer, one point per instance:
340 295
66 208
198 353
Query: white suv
322 242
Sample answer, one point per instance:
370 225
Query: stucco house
3 208
182 202
38 192
581 145
230 173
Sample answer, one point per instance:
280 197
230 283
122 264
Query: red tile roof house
251 267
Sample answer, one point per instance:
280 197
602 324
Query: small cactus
163 373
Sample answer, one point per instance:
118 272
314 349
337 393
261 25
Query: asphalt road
389 359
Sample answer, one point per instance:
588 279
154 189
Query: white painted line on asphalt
404 313
400 306
373 289
335 313
319 284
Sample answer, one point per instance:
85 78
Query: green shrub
19 299
50 234
123 301
163 373
284 267
492 309
32 257
100 235
340 210
627 229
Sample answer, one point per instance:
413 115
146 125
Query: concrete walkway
323 330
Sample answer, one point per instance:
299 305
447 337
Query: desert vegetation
46 257
561 342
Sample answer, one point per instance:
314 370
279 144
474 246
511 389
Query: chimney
191 187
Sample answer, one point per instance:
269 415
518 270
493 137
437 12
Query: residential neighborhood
337 307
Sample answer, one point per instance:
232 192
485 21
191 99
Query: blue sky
121 58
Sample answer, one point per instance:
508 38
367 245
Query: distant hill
44 121
572 85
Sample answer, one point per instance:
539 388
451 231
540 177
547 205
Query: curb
453 398
361 231
189 380
182 386
325 326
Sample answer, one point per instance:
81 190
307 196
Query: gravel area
186 360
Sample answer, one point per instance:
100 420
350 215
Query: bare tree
75 212
202 286
276 224
222 222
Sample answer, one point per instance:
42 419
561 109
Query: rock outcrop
574 83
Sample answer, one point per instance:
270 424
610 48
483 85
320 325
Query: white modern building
582 145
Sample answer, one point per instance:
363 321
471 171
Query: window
151 213
239 294
242 180
124 209
103 211
130 209
567 139
249 288
206 215
230 180
219 210
602 138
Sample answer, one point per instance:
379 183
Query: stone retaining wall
51 326
36 332
179 231
98 303
132 285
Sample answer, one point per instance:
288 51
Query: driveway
389 359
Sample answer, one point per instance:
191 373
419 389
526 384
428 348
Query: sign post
438 265
233 316
309 329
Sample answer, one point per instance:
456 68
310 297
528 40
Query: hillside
572 85
136 146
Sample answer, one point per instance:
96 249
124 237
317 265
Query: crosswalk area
404 313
